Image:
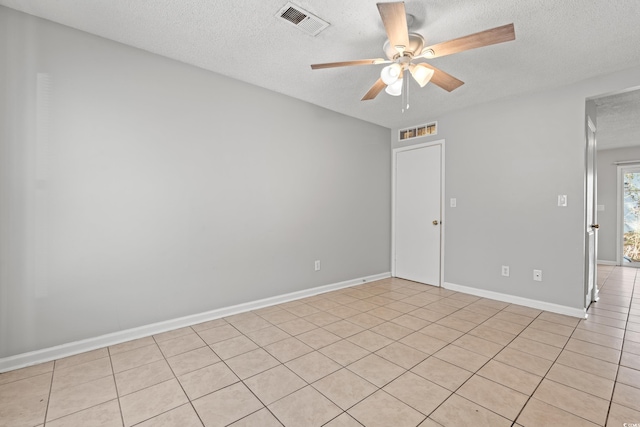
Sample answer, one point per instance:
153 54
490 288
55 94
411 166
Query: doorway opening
629 218
618 134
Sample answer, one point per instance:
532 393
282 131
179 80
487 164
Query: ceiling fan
403 48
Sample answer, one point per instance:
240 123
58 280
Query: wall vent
426 129
302 19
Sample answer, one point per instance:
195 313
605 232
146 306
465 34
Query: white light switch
452 202
562 200
600 208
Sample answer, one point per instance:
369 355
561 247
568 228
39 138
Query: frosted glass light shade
421 73
390 74
395 89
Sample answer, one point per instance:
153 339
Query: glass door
631 217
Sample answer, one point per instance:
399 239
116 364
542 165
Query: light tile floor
390 353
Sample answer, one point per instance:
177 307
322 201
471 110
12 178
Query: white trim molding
604 262
540 305
69 349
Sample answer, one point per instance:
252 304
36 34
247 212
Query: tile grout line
545 377
615 382
355 373
490 359
622 349
343 411
164 358
279 364
46 412
76 385
178 381
451 343
243 380
113 373
240 380
378 389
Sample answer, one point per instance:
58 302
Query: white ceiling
557 42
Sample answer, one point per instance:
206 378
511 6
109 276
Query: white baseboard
603 262
69 349
512 299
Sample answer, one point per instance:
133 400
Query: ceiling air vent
302 19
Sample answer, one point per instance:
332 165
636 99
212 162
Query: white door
417 214
591 289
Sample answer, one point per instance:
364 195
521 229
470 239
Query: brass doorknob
595 225
435 222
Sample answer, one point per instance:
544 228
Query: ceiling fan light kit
403 48
395 89
391 73
421 73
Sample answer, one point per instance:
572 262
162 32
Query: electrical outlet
505 270
317 265
537 275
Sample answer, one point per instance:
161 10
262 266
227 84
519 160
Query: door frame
394 153
591 275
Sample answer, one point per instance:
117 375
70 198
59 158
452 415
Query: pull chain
405 91
407 83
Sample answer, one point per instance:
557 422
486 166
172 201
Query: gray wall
607 197
136 189
506 163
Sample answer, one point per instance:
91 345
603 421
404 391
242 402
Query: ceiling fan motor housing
416 44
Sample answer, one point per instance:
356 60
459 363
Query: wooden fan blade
374 91
394 19
483 38
348 63
444 80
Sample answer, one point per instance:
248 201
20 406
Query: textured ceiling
618 120
557 42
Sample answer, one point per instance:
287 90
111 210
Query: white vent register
302 19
